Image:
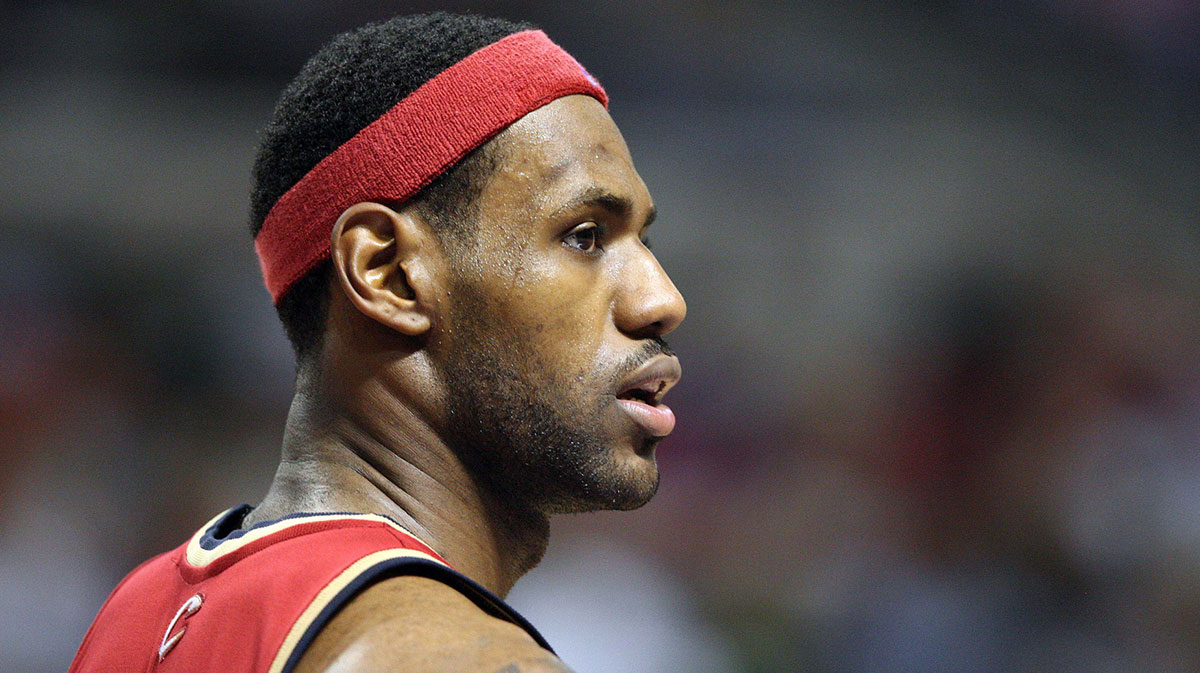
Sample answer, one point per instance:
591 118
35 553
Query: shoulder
415 624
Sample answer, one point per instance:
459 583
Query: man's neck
386 460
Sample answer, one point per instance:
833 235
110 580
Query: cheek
559 298
563 337
553 311
555 344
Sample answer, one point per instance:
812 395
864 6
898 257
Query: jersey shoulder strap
254 599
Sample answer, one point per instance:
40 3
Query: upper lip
655 378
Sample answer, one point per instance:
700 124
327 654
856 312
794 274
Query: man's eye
584 238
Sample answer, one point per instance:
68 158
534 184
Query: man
454 235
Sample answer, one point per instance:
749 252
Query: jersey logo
189 608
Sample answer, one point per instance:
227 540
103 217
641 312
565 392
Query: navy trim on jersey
479 595
229 527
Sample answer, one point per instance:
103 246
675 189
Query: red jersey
252 600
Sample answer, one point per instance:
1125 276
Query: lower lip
657 420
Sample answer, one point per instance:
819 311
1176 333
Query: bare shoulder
415 624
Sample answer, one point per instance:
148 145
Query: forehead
558 151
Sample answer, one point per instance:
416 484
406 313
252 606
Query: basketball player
454 236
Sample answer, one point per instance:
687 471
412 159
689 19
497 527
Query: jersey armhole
375 568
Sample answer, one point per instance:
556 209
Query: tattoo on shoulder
541 666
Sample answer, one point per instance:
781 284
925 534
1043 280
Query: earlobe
378 254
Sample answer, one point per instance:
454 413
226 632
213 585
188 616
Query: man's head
517 306
348 84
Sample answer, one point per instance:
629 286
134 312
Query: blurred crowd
941 396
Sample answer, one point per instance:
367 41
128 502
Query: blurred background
941 402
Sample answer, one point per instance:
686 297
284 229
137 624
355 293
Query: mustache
654 347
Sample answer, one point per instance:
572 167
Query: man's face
551 348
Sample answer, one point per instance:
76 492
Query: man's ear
382 261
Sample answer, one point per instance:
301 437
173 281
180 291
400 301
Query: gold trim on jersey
329 592
200 557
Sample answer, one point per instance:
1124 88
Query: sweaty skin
468 388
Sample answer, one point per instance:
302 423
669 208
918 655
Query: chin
625 482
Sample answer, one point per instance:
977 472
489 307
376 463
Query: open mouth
649 393
642 394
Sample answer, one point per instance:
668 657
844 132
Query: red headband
427 132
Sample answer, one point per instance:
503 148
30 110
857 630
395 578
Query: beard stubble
533 438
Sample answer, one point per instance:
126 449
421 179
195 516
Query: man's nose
648 305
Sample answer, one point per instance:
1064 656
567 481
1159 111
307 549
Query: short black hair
345 86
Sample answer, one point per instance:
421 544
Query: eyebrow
598 197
